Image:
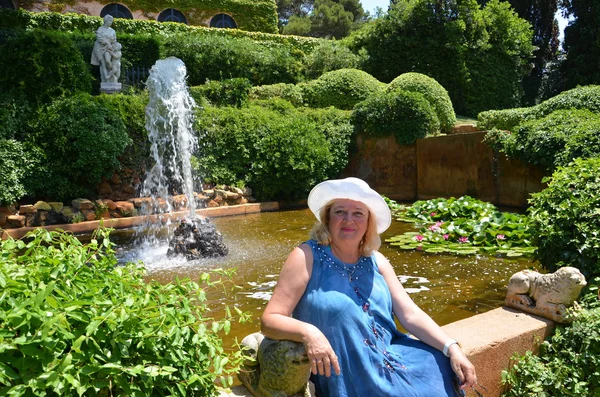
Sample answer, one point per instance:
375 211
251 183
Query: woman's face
348 220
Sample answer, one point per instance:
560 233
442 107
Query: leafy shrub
290 92
567 364
407 115
506 119
329 55
342 89
231 92
587 97
275 149
565 218
556 139
131 109
15 114
41 66
77 323
81 140
432 91
17 163
220 57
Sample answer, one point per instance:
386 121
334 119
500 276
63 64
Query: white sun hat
353 189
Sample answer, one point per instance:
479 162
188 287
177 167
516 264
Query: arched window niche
171 15
223 21
117 11
7 4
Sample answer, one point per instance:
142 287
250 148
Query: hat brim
353 189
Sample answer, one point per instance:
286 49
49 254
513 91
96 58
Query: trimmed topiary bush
230 92
82 141
329 55
342 89
565 218
41 66
406 115
587 97
433 92
18 161
290 92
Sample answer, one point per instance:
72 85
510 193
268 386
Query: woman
338 296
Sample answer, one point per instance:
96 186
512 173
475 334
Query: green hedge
556 139
22 19
41 66
565 218
289 92
76 322
18 161
81 140
342 89
209 57
587 97
406 115
433 92
275 149
231 92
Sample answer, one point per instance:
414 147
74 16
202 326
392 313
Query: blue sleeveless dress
353 309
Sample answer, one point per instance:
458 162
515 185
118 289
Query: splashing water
169 120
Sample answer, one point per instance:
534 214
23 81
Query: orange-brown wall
445 166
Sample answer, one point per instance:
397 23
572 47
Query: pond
448 288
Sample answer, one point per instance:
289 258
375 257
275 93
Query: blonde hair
369 243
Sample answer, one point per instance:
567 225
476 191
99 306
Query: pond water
447 287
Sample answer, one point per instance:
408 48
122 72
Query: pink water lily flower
418 237
446 236
501 237
463 240
432 214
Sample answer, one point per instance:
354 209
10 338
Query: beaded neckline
351 271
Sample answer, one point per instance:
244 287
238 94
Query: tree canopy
320 18
480 55
582 43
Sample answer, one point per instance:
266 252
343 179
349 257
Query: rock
82 204
88 215
36 219
212 204
545 295
56 218
8 209
56 206
26 209
42 206
231 196
15 221
209 192
197 238
67 212
237 190
246 192
125 207
115 179
3 218
111 205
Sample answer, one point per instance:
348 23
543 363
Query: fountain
169 120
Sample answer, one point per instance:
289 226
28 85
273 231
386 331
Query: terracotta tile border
124 223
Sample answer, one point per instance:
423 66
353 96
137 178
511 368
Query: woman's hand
320 354
463 368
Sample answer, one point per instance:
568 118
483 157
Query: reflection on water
447 287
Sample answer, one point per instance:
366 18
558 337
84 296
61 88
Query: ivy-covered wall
250 15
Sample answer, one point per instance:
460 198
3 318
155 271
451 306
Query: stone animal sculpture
279 368
545 295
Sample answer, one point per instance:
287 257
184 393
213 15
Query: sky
370 5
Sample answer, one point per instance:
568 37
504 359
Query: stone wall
445 166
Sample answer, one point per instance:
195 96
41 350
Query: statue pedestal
110 88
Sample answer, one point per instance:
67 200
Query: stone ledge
124 223
489 340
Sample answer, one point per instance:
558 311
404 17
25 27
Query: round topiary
433 92
565 218
407 115
341 88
